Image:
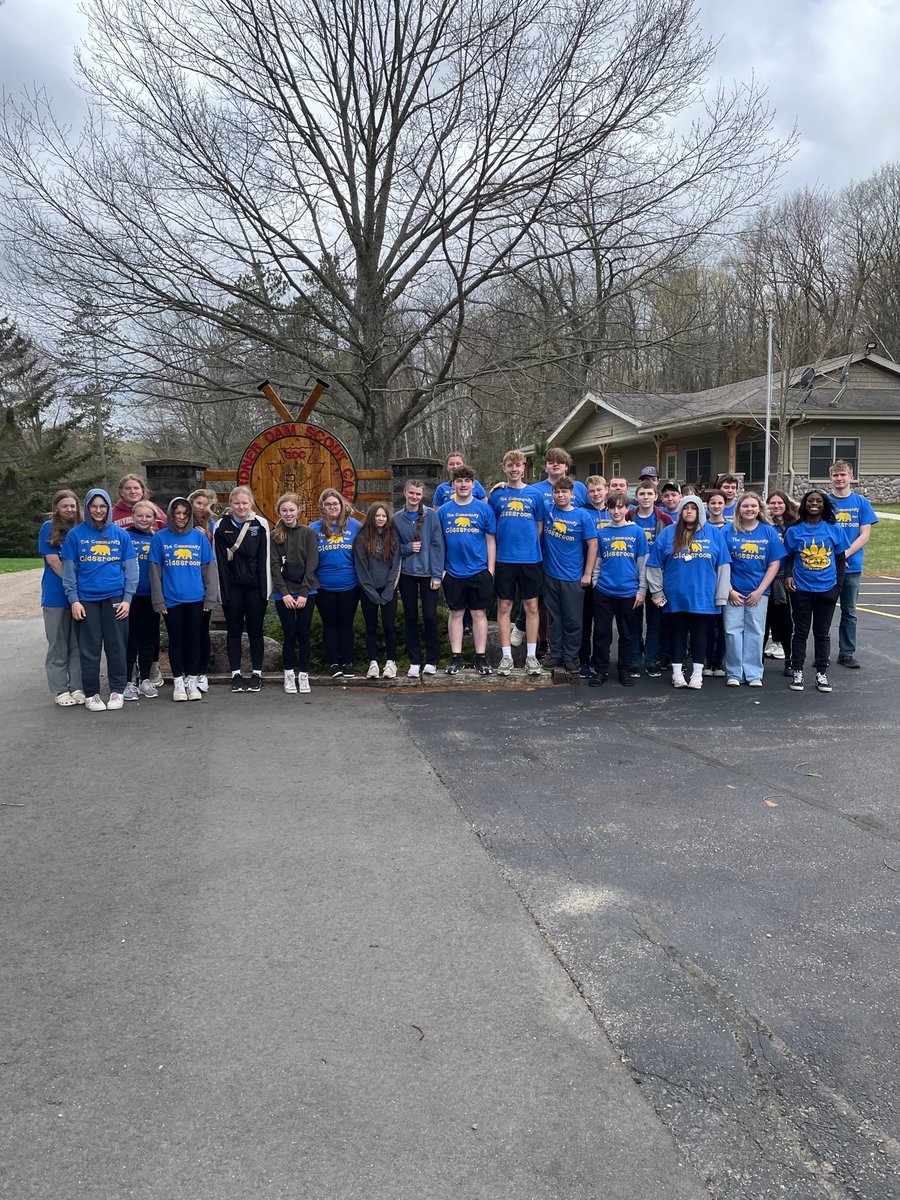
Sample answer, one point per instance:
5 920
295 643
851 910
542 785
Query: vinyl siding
879 444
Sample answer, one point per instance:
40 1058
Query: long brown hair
791 507
370 533
58 528
417 528
684 536
279 533
346 513
211 511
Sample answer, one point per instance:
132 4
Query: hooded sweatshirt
697 579
99 560
182 568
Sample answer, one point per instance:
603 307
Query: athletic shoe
634 673
506 665
131 692
599 679
719 671
455 665
334 670
156 676
147 690
532 666
787 670
573 668
303 682
696 679
481 665
732 682
390 669
585 670
847 660
654 672
190 686
373 671
66 699
429 669
78 696
678 679
237 683
796 681
179 692
708 671
755 683
516 636
414 671
773 649
203 683
255 683
115 700
627 680
94 704
552 663
347 670
822 684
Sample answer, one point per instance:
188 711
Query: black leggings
143 637
296 623
337 610
244 606
185 625
816 609
416 590
682 624
388 623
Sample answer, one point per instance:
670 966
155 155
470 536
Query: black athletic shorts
474 592
528 577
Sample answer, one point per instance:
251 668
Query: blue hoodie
99 561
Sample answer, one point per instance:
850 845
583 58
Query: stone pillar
430 470
171 477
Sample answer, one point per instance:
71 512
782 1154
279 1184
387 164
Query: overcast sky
829 65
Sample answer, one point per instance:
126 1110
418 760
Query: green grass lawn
8 565
883 550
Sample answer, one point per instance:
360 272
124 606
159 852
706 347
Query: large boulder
218 663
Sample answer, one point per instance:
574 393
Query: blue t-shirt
851 512
336 571
729 510
100 557
618 549
690 577
648 525
601 517
564 541
53 594
814 548
444 492
465 526
517 512
142 543
751 555
580 497
182 557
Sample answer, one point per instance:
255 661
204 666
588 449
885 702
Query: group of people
704 586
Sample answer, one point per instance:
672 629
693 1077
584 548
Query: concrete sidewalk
252 948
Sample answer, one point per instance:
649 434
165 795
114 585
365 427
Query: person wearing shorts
470 554
519 512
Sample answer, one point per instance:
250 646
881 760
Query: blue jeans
745 629
651 643
847 628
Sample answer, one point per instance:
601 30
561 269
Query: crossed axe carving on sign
283 411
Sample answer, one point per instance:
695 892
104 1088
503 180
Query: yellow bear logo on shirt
182 552
842 517
464 522
696 548
618 544
560 527
749 548
516 506
101 548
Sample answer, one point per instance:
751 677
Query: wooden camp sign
296 457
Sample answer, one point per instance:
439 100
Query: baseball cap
649 473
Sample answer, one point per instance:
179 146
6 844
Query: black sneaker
585 671
255 683
334 670
552 663
796 684
847 660
347 670
822 684
455 665
598 680
654 672
627 680
237 683
481 665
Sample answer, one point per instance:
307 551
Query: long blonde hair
764 517
279 533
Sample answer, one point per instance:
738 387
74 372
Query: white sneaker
532 666
516 636
696 679
65 700
156 675
777 650
678 679
506 665
178 689
755 683
147 689
769 651
78 696
94 704
115 700
429 669
290 683
203 683
390 669
413 672
373 671
131 692
190 686
732 682
303 682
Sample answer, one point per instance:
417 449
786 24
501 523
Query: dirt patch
20 595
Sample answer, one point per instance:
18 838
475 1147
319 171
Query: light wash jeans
847 627
745 629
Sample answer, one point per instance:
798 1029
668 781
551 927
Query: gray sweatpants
564 601
63 661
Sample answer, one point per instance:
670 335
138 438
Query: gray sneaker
532 666
131 692
156 675
146 689
516 636
506 665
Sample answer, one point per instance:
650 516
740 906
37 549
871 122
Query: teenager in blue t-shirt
182 585
813 574
444 491
338 594
728 484
756 555
856 516
650 517
470 551
519 512
570 551
143 620
619 589
688 574
63 661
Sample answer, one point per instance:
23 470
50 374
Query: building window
616 468
671 466
824 451
595 468
698 465
750 459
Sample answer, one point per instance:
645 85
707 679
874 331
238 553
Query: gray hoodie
723 576
155 569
